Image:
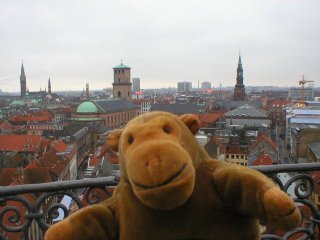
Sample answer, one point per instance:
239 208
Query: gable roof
267 139
246 111
20 143
263 159
209 118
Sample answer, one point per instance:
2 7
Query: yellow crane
302 83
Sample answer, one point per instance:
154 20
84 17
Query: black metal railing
26 211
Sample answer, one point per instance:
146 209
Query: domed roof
87 107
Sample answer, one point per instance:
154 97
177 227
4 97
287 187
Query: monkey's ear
113 138
192 122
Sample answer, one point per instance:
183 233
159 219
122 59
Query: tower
23 82
239 89
135 85
49 86
87 91
121 82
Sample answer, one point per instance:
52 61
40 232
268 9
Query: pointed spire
239 62
22 69
49 86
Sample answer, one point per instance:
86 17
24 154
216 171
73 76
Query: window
119 93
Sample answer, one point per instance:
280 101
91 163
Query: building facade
184 86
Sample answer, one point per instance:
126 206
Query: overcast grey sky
164 41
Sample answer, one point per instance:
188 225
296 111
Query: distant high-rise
121 82
206 85
87 91
184 86
49 86
135 85
239 89
23 82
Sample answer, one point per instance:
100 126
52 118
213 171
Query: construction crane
302 83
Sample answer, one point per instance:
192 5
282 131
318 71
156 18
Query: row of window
118 71
238 163
120 117
236 156
44 127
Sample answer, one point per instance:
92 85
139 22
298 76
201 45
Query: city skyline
164 43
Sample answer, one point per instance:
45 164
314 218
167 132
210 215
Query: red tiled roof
42 116
208 118
28 175
20 143
264 137
60 146
6 126
263 159
53 162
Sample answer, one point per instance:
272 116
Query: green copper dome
87 107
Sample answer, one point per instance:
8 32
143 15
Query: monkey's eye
130 139
167 129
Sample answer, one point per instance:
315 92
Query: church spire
239 90
239 72
23 82
49 86
239 62
22 70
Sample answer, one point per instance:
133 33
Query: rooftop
121 66
20 143
305 120
246 111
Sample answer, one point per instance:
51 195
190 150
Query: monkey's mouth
169 180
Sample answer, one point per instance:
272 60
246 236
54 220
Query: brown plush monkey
171 189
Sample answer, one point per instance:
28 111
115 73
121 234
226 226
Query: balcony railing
26 211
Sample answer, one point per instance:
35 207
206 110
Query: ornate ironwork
28 210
